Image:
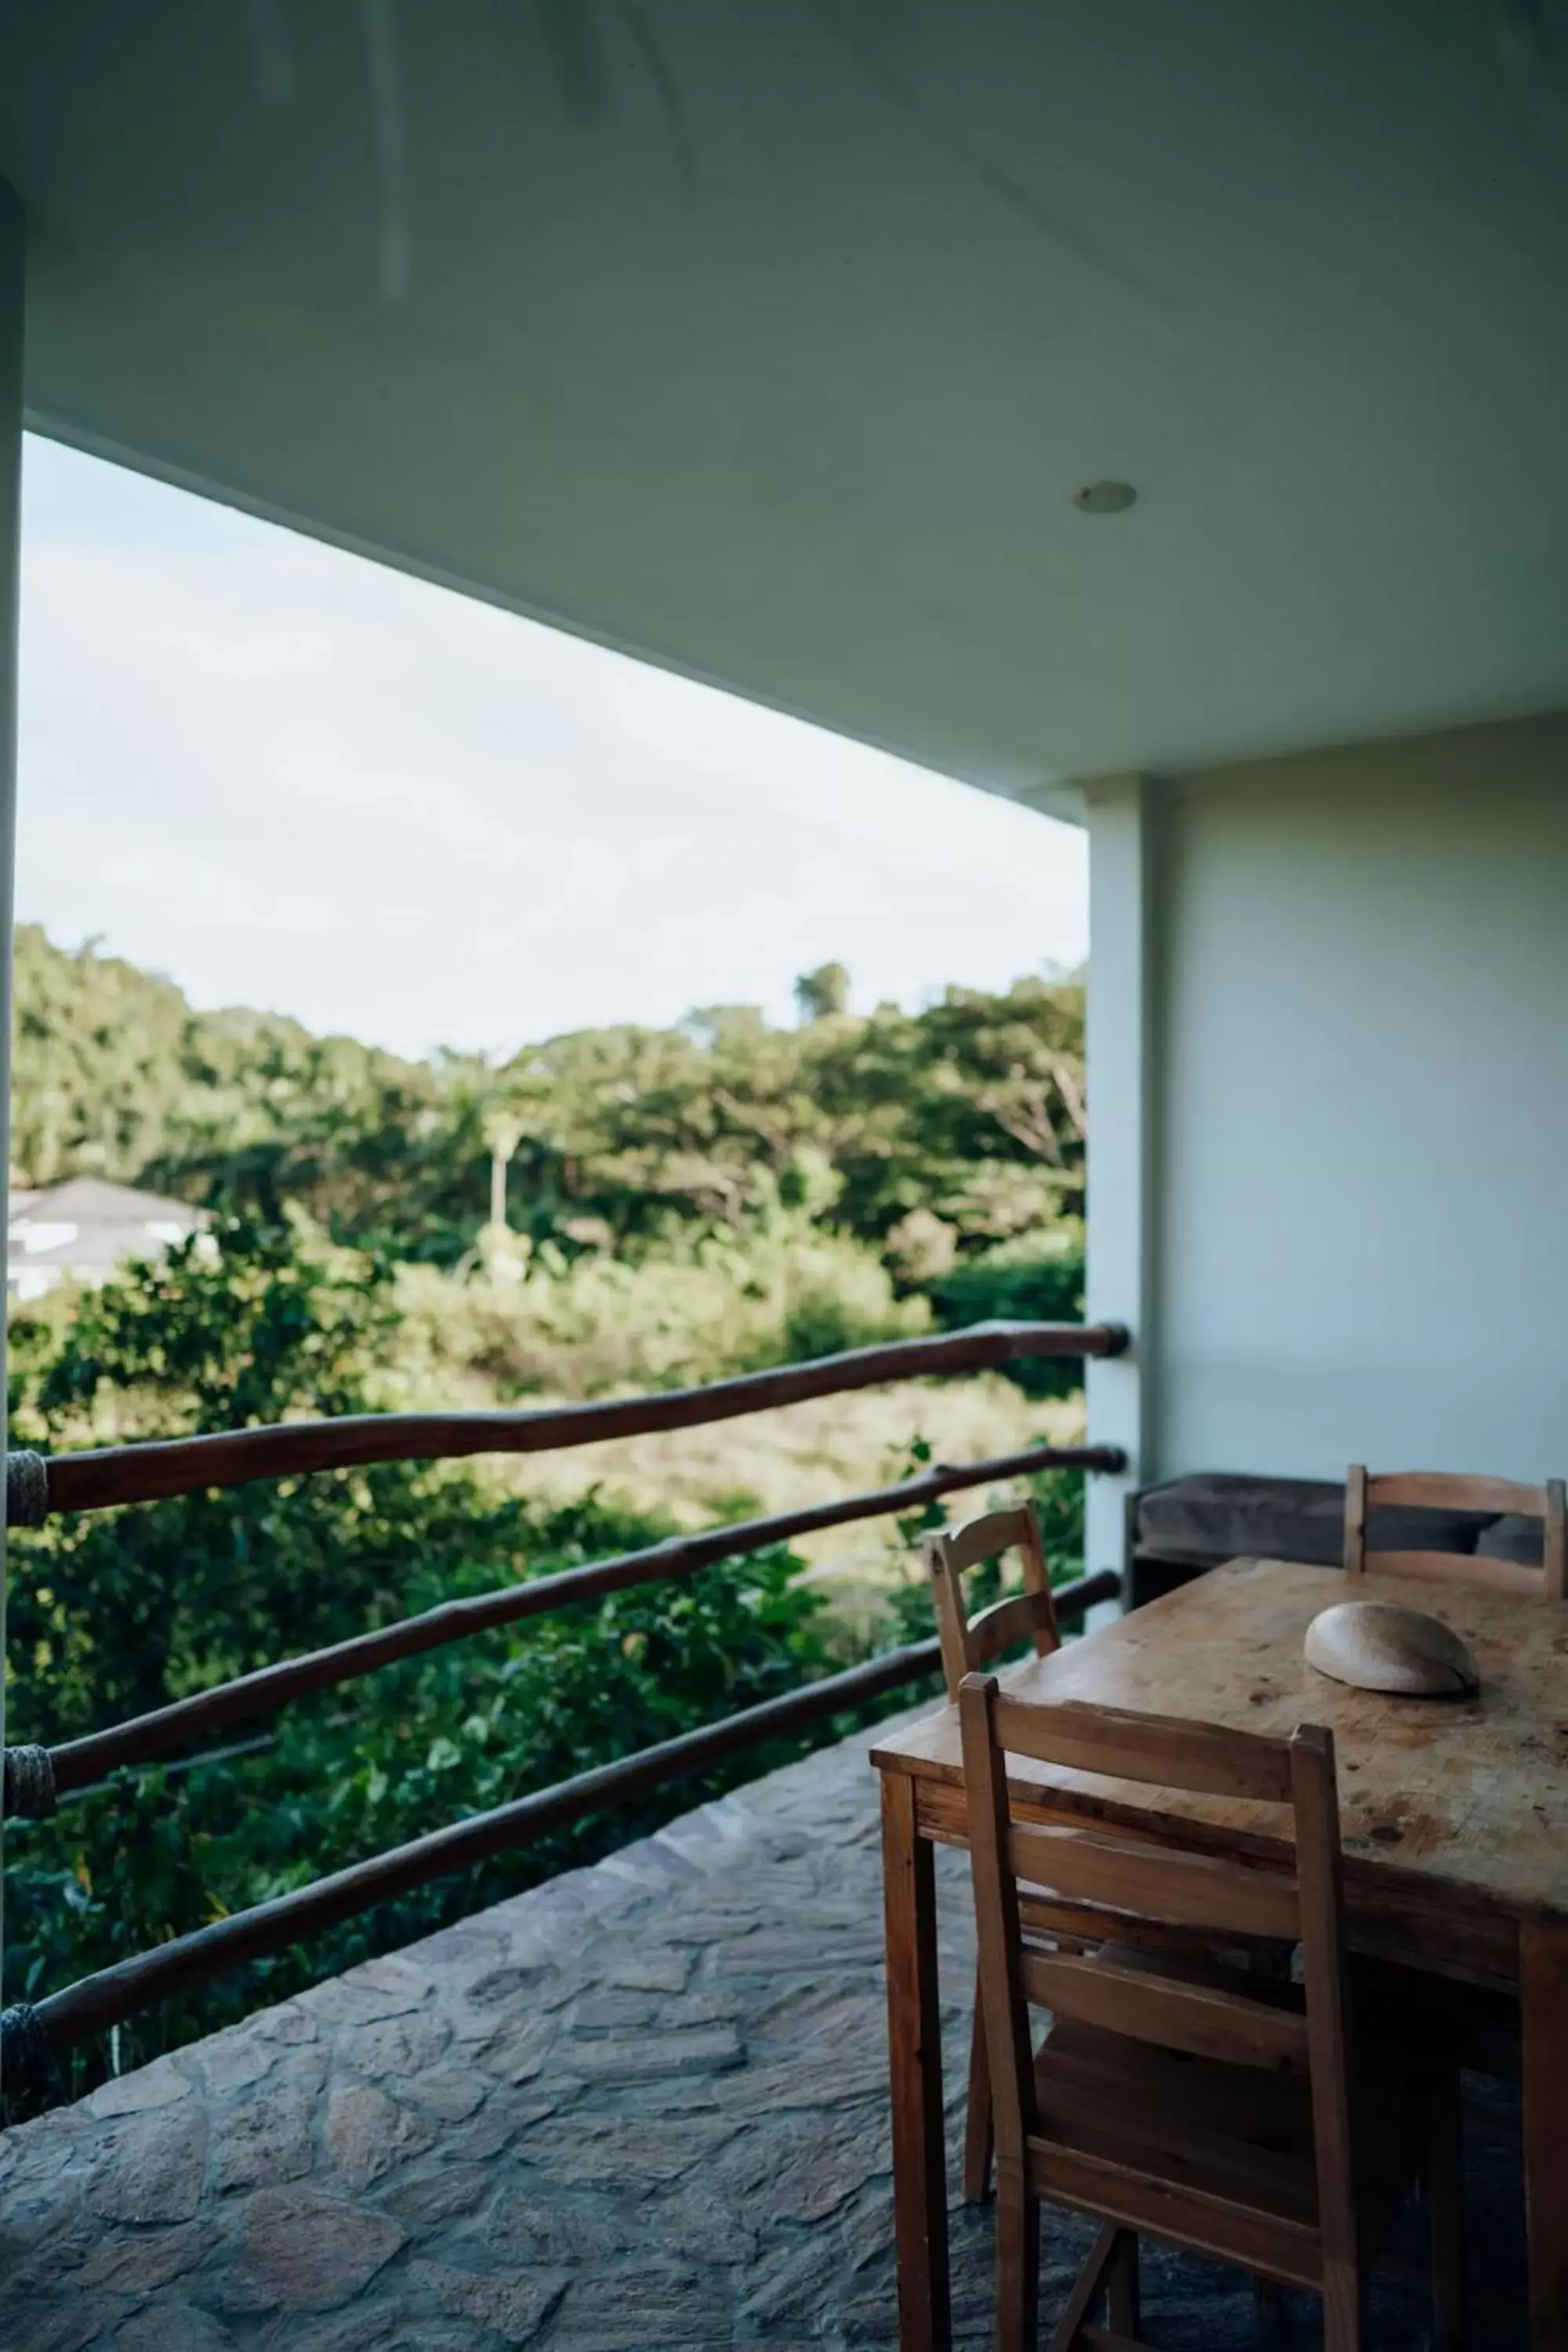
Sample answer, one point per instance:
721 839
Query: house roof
774 342
93 1200
90 1226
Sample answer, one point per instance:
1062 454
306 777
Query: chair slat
1163 1749
1088 1922
1204 2020
987 1537
1444 1490
1277 2247
1192 1890
994 1630
1240 2144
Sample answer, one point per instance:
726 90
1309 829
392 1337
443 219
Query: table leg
914 2045
1543 2017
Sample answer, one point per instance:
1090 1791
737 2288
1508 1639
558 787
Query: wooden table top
1468 1797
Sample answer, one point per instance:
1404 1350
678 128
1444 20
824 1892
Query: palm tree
503 1133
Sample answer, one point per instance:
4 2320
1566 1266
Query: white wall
1359 1178
1123 834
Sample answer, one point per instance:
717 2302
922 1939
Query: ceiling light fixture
1104 498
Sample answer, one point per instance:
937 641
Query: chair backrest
1441 1490
1144 1883
969 1642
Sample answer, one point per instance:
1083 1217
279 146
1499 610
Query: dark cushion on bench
1212 1516
1512 1537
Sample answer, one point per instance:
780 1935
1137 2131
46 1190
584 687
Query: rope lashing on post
28 1794
28 1787
25 2052
29 1784
26 1490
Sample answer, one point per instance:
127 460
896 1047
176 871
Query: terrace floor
644 2105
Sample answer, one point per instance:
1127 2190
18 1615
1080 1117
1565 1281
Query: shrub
157 1853
114 1613
679 1316
1038 1279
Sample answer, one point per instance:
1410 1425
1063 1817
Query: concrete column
1122 1143
11 278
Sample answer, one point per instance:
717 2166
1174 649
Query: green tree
971 1112
115 1612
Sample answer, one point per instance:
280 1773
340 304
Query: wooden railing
146 1737
186 1465
114 1994
30 2035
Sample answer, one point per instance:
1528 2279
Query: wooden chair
970 1643
1172 2100
967 1643
1436 1490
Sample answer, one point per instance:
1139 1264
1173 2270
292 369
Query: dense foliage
677 1205
113 1612
939 1133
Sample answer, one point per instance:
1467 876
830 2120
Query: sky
293 779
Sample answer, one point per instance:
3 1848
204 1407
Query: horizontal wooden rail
202 1761
146 1473
78 1761
114 1994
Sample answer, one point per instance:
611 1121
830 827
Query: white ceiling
772 340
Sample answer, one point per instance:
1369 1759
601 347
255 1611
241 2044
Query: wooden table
1454 1822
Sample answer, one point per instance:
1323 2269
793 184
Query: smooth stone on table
1378 1646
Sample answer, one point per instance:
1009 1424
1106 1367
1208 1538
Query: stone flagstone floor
644 2105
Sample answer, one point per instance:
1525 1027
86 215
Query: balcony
632 2105
645 2105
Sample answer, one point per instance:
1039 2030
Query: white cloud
293 779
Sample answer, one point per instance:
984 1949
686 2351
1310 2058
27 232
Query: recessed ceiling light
1104 498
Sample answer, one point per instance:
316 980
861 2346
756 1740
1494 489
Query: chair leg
979 2137
1344 2310
1122 2286
1446 2210
1017 2265
1096 2273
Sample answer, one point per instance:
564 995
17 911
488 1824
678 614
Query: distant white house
87 1228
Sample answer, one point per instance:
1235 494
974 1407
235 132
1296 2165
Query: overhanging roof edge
1060 800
